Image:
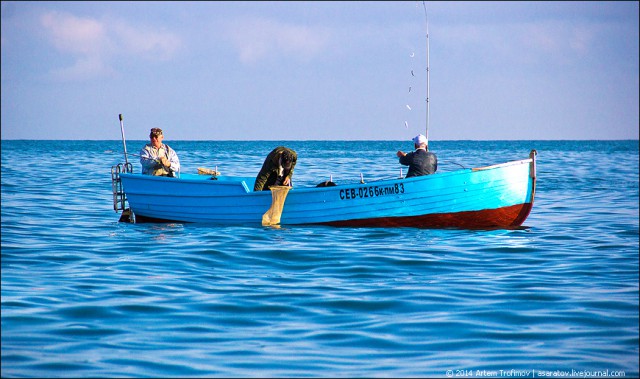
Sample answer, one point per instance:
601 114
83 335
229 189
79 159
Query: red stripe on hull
506 217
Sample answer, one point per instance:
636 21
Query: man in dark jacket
277 169
420 162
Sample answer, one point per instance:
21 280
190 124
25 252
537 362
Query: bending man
277 169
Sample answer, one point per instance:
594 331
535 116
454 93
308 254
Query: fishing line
409 95
411 103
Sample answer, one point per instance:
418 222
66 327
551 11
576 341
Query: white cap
420 139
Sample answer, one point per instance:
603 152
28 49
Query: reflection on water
85 295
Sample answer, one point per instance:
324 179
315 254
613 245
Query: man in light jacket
158 158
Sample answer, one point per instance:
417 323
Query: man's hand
286 181
400 154
165 162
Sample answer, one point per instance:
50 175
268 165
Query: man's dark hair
287 156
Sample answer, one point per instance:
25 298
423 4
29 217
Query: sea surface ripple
84 295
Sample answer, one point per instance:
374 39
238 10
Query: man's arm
173 159
147 161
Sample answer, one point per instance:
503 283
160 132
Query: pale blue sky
320 70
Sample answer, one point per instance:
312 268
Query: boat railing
119 197
523 161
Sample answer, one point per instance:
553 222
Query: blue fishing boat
497 196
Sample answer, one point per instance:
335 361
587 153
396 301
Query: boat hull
506 217
499 196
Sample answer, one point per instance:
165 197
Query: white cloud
94 43
526 43
85 67
558 38
258 38
75 35
148 43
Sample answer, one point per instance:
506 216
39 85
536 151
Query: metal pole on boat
124 143
427 23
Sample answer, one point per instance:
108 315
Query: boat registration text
371 191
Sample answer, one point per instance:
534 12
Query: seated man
158 158
421 161
277 169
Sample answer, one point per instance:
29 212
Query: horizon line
322 140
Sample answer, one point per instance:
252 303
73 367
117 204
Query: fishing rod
137 155
134 155
427 25
157 160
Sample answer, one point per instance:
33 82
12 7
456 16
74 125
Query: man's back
420 162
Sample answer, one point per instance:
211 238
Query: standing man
158 158
277 169
420 162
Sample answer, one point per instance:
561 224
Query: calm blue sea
86 296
